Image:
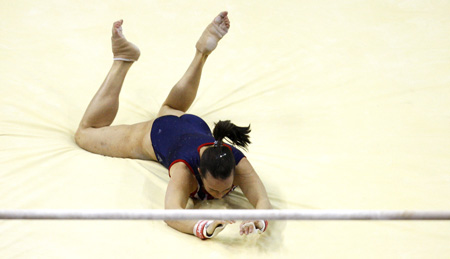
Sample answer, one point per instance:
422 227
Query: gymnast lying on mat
201 165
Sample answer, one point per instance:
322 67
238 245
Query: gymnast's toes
117 29
213 33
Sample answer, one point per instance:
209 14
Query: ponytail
238 135
219 160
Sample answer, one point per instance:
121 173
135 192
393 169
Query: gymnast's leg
183 93
95 133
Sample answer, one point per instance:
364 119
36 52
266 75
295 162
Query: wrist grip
202 225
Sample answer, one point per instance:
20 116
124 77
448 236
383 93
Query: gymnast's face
218 188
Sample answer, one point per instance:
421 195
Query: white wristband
199 229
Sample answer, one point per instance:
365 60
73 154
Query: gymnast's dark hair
219 160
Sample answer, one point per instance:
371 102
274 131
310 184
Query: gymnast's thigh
126 141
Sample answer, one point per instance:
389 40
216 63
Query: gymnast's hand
218 225
208 229
253 227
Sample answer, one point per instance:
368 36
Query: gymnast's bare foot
213 33
123 49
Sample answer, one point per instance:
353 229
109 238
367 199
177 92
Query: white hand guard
201 227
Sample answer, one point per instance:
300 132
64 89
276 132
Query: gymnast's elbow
168 222
172 223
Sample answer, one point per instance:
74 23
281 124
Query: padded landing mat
349 103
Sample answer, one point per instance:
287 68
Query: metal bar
56 214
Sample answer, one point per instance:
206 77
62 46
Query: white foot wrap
122 59
124 50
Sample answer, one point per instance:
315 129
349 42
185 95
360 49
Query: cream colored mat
349 103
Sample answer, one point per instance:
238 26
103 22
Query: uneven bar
62 214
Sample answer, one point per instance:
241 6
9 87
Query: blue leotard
179 139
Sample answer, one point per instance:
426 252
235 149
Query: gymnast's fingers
247 227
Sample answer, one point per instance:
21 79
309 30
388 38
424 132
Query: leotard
179 139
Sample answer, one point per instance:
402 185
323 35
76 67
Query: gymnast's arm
177 195
251 185
180 186
253 188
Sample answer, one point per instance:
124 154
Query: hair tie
221 155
